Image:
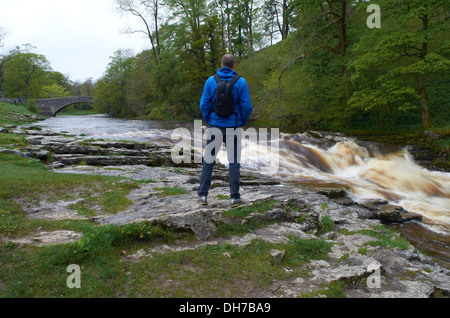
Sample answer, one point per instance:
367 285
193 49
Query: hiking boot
236 202
203 200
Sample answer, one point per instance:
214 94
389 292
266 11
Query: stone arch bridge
50 107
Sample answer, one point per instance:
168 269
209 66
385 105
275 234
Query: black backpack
223 104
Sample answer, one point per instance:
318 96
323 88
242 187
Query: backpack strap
217 77
234 79
232 82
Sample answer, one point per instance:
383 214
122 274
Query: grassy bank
31 271
11 114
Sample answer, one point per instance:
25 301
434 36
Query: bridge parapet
50 107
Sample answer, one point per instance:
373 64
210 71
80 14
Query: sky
77 37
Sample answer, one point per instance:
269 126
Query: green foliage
386 238
54 90
328 72
326 225
392 64
31 106
111 91
100 239
8 223
309 81
25 72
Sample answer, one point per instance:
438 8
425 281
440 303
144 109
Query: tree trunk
284 29
2 82
422 80
228 27
343 27
128 8
251 26
424 102
156 30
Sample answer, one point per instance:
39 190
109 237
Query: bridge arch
50 107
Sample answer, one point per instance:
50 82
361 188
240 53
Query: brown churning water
369 174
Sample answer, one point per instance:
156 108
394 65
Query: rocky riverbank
365 258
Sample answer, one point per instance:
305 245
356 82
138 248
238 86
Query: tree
53 91
139 9
280 14
2 36
25 72
111 90
59 79
225 13
394 63
192 14
3 60
153 6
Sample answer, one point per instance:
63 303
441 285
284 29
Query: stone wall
49 107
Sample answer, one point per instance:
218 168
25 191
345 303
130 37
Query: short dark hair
228 61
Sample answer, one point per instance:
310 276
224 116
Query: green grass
24 181
73 111
223 270
334 289
11 114
166 191
115 200
27 271
305 250
82 209
242 227
20 177
223 197
385 237
12 141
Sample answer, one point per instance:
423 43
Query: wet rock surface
366 270
49 238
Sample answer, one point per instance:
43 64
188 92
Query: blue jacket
242 103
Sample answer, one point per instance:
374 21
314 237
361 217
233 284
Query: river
368 170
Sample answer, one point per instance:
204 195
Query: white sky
77 37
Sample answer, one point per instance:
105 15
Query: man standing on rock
226 106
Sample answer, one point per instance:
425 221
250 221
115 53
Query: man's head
228 61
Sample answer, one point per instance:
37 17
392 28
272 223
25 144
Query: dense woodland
317 64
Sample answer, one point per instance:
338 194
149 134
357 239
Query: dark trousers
233 155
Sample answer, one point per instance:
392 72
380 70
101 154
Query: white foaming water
394 177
